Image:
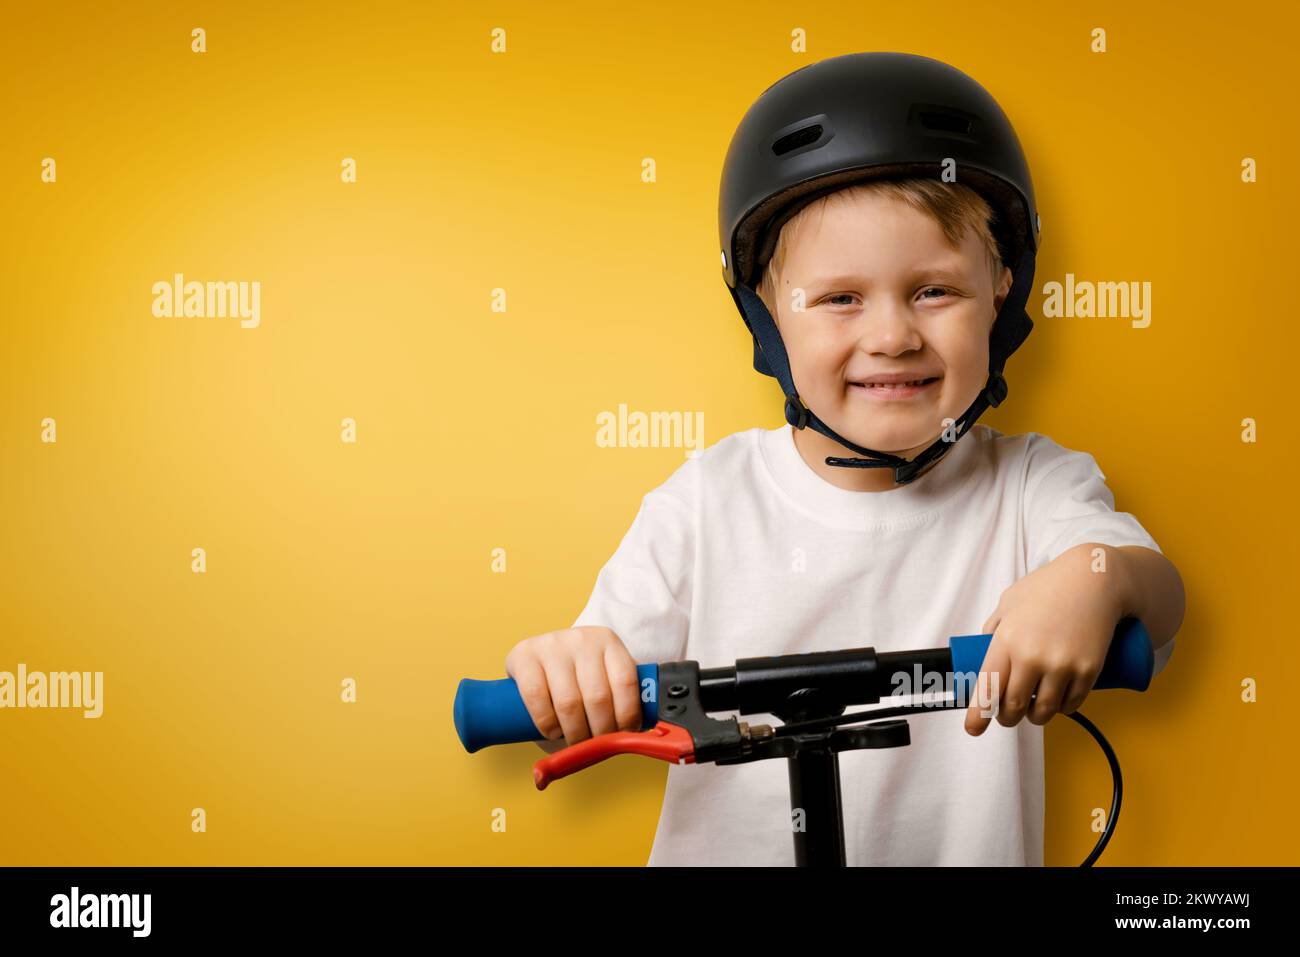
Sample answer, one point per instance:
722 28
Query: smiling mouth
887 387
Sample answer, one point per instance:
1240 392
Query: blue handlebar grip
1129 663
493 712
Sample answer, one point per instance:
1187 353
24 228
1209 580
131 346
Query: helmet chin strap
1009 331
905 471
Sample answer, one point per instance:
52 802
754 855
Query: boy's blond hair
954 206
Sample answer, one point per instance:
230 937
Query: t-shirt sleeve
643 593
1068 503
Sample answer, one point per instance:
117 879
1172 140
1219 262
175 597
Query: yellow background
476 429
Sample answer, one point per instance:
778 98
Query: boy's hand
1051 632
576 683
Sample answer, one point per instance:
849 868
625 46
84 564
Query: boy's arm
643 593
1070 509
1052 628
1148 588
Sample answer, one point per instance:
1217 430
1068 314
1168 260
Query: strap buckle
996 389
798 419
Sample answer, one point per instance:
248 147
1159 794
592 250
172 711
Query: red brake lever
670 742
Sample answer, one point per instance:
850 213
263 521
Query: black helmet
858 117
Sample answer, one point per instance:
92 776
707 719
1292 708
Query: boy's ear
1004 287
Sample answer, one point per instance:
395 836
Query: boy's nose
887 329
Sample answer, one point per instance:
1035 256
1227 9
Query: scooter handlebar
493 712
1130 661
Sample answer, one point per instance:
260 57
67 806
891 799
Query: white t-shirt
746 551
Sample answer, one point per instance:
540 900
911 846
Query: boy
871 270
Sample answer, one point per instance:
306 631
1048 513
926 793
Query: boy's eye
942 291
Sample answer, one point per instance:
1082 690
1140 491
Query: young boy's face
885 293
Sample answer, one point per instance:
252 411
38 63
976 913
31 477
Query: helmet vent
944 121
802 137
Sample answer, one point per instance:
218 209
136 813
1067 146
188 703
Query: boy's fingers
1047 700
597 697
530 679
1078 690
984 699
566 699
1020 687
623 681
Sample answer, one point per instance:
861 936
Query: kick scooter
809 694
